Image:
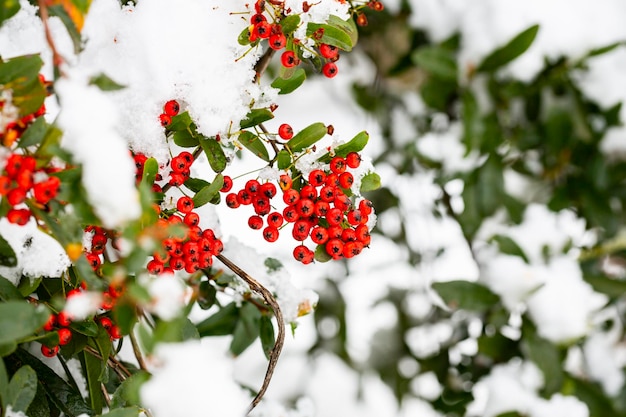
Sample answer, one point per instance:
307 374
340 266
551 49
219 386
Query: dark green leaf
290 23
516 46
346 26
8 9
356 144
7 255
593 395
196 184
266 332
19 319
28 285
20 68
603 50
104 83
103 344
182 121
8 291
466 295
273 264
609 286
289 84
370 182
546 356
214 153
284 159
185 139
7 348
35 133
86 327
40 407
307 137
247 329
4 384
22 388
321 255
254 144
127 394
150 171
331 35
221 323
207 295
255 117
438 61
92 367
123 412
209 192
509 247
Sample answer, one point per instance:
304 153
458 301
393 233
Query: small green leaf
35 133
127 394
273 265
347 26
91 367
284 159
256 117
209 192
290 23
438 61
8 291
4 384
307 137
370 182
289 84
356 144
509 246
150 171
507 53
266 332
331 35
207 295
254 145
214 153
123 412
545 355
466 295
182 121
185 139
19 319
7 255
8 9
28 285
244 37
321 255
86 327
22 388
196 184
221 323
247 329
104 83
7 348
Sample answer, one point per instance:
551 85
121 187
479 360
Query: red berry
262 206
277 41
176 179
106 323
257 18
348 235
16 196
338 165
65 335
252 187
289 59
165 120
305 207
52 320
18 216
191 219
342 202
244 197
354 217
228 184
319 235
46 190
275 219
94 260
334 216
334 247
317 177
361 19
301 229
321 208
270 234
328 51
49 352
351 249
185 204
346 180
268 190
366 207
5 185
255 222
363 234
155 267
115 332
353 160
291 197
171 108
329 69
303 254
232 201
262 30
285 131
308 192
285 182
63 319
290 214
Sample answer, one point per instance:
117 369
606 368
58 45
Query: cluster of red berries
21 179
260 28
192 250
61 321
179 166
170 109
320 209
99 241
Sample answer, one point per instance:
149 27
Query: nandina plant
90 264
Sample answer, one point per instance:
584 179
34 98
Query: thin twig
116 365
57 59
105 394
280 338
262 63
137 351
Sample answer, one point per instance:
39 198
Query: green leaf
370 182
185 139
321 255
307 137
4 384
7 255
256 117
104 83
8 291
22 388
546 356
347 26
86 327
207 295
214 153
7 348
289 84
123 412
209 192
40 407
609 286
356 144
254 145
59 392
60 12
8 9
273 265
509 247
35 133
466 295
593 395
19 319
103 344
91 367
196 184
247 329
244 37
516 46
221 323
284 159
331 35
290 23
150 171
266 332
182 121
127 394
438 61
28 285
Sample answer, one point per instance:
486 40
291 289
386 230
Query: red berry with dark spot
228 184
232 201
329 69
65 335
328 51
353 160
171 108
165 120
255 222
346 180
285 131
270 234
303 254
185 204
277 41
49 352
289 59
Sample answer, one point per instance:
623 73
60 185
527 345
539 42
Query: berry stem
280 338
137 351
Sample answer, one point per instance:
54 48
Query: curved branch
280 338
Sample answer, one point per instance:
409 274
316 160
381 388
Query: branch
262 63
57 59
137 351
280 339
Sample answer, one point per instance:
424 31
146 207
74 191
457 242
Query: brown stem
116 365
105 394
280 338
263 63
137 351
57 59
